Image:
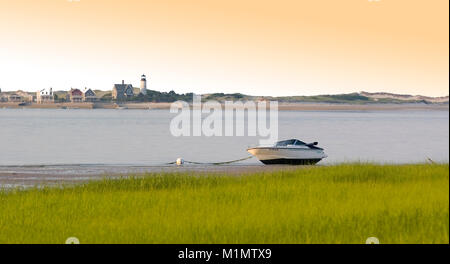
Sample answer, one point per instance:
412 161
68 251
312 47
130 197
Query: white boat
292 151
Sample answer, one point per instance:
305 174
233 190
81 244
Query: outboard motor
313 145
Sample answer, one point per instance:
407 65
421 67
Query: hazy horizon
271 48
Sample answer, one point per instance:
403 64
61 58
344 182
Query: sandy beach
29 176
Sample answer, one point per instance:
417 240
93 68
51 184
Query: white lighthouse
143 85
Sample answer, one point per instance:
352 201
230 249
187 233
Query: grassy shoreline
344 203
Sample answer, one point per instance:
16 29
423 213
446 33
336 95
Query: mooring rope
212 163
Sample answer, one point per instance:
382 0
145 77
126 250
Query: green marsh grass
325 204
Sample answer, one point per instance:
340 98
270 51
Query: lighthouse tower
143 85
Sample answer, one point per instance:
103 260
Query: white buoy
180 161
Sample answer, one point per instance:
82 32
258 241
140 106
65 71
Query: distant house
75 95
122 91
26 97
15 98
3 98
89 95
45 96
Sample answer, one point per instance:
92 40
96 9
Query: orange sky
282 47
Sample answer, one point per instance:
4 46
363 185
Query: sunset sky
279 47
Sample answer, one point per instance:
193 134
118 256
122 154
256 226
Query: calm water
142 137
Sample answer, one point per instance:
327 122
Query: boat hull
291 161
292 156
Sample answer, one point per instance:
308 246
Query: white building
45 96
143 84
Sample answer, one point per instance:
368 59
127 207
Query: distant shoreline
282 106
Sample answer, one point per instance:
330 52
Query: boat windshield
290 142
